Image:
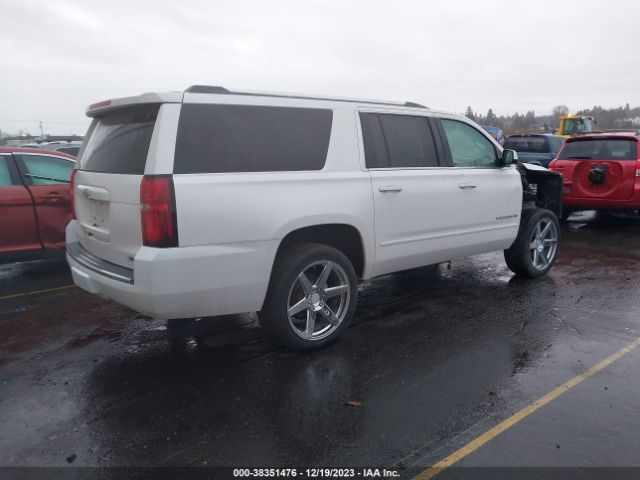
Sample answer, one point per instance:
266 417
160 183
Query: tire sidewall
525 234
274 313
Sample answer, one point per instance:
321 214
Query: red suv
35 202
600 172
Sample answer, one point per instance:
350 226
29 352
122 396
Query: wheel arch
343 236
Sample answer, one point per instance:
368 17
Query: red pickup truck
35 202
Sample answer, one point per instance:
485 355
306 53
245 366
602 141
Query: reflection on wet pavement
432 355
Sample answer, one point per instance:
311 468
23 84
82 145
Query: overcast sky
59 56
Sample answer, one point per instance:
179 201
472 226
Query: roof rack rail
206 89
414 104
221 90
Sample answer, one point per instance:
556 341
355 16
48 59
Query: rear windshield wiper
579 158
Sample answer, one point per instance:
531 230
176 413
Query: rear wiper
580 158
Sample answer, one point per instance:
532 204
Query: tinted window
556 143
527 144
599 150
469 148
118 142
70 150
43 170
409 141
243 138
5 175
375 150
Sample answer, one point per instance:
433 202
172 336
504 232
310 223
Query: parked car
496 133
70 148
213 202
35 202
537 149
600 172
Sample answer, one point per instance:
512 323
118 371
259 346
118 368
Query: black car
538 149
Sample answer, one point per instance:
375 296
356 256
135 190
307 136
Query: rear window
247 138
70 150
527 144
599 150
118 142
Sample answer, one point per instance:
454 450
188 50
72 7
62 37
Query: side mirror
507 158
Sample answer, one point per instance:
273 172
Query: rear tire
311 298
534 250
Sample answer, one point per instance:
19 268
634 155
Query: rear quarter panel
226 208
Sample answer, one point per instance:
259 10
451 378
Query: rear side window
247 138
118 142
599 150
45 170
527 144
5 175
397 141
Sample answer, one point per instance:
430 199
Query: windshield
599 149
576 125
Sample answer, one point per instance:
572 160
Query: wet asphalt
434 358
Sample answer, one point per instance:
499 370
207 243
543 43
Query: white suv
211 202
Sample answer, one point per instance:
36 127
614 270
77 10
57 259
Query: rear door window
248 138
118 142
46 170
375 149
409 141
469 148
398 141
5 174
599 149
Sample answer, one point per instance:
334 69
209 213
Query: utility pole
41 130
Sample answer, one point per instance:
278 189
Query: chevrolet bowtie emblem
85 193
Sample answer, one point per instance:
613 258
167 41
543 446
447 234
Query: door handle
52 197
467 185
390 188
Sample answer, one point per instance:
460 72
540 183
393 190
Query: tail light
158 211
72 187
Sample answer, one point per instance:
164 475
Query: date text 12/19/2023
315 473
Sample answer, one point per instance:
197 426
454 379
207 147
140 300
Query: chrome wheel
318 300
543 244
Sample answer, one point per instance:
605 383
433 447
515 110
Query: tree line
606 118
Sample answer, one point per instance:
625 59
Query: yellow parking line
520 415
35 292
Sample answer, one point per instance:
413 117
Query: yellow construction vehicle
571 125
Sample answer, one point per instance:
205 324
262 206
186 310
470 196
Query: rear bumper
599 204
182 282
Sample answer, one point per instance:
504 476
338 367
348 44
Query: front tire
311 298
534 250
